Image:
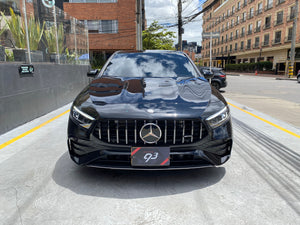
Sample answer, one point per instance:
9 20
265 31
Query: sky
165 12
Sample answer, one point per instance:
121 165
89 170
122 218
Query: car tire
298 79
216 85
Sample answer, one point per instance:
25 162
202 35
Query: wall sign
26 69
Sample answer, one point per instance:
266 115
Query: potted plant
16 26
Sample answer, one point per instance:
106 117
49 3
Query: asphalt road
277 98
260 184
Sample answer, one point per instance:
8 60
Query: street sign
213 34
26 69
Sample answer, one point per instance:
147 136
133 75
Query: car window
150 65
218 72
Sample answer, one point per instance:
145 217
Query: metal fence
45 34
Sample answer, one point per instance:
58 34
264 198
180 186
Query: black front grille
127 132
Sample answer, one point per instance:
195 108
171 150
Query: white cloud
165 11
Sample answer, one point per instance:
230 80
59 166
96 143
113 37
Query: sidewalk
277 77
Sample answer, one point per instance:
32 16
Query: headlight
218 118
84 119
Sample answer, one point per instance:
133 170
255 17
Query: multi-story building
112 24
250 31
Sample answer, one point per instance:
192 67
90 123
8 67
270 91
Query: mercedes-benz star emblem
150 133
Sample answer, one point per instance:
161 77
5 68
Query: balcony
276 41
278 22
226 28
237 23
242 35
250 16
248 47
242 49
250 1
238 9
290 18
243 20
258 11
256 46
257 29
267 26
268 7
244 4
265 44
231 38
236 37
222 30
288 39
249 32
279 2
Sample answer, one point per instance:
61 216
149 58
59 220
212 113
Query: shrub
250 67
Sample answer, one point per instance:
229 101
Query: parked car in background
298 76
219 79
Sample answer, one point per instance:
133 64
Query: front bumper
87 150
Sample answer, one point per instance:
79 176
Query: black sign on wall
26 69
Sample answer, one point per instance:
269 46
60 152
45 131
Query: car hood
147 98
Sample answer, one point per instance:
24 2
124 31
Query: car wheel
298 79
216 85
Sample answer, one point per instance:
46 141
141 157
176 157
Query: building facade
251 31
112 24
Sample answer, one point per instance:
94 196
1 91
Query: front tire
216 85
298 79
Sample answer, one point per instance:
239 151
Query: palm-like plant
50 38
2 29
16 26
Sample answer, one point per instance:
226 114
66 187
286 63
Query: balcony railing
242 49
236 37
242 35
249 32
290 17
267 26
257 29
238 9
276 41
269 6
278 22
250 1
244 4
256 46
265 43
231 25
237 22
248 47
250 16
278 2
258 11
231 38
288 38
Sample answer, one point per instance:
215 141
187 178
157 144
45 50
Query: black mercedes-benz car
149 110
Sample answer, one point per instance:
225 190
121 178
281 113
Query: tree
157 37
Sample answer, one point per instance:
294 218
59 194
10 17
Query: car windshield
150 64
219 72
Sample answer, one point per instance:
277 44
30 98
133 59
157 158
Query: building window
259 8
244 16
269 5
102 26
242 45
256 43
266 39
277 37
292 12
250 28
233 9
258 26
236 34
243 32
290 34
268 22
279 18
251 14
236 46
249 44
238 6
237 20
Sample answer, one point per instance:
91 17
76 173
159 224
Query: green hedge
250 67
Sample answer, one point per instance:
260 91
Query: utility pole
139 24
179 25
293 45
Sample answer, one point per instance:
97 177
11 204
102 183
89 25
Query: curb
292 79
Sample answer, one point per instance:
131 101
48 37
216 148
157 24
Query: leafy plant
50 38
16 26
9 55
250 67
2 29
156 37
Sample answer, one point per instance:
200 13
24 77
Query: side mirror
93 73
208 75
